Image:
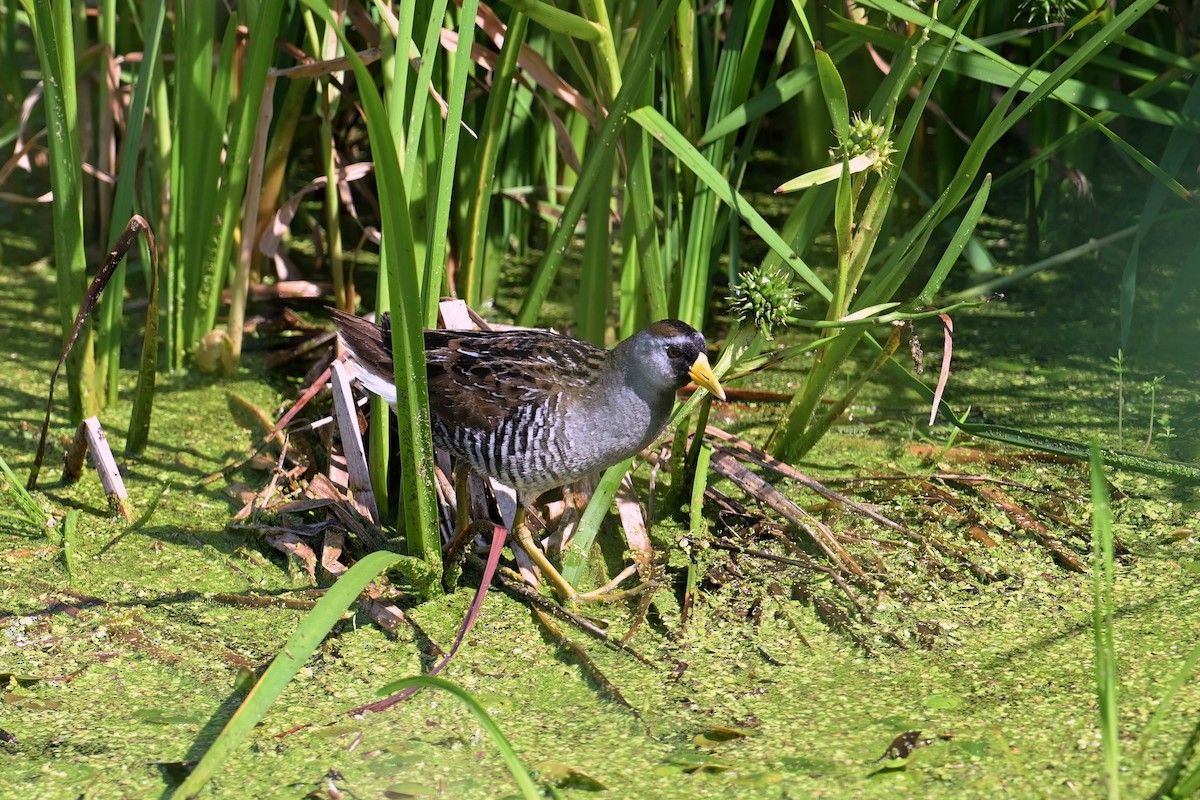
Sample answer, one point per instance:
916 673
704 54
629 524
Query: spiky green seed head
764 297
865 138
1049 11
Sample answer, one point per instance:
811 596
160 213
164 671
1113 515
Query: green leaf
666 133
529 789
576 553
956 244
1102 623
835 93
295 652
54 35
774 95
408 338
637 71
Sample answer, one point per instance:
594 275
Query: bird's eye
673 351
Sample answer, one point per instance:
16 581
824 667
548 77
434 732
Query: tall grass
53 29
1102 626
618 135
1182 777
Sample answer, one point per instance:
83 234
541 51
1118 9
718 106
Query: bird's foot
562 588
609 592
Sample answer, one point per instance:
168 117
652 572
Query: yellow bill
701 372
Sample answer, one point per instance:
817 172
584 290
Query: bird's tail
370 349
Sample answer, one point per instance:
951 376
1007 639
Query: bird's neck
644 408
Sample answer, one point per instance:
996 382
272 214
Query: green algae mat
125 650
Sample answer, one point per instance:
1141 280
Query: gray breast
551 443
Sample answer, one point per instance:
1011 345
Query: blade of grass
324 46
745 28
640 215
796 433
123 196
962 235
775 94
529 789
70 544
697 528
24 500
408 340
106 161
747 152
143 397
576 553
397 70
672 139
1052 149
1102 623
595 279
253 97
291 657
443 192
1055 84
487 153
987 66
637 70
1179 145
1166 704
199 115
54 35
696 522
1175 787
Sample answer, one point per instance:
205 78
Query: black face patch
682 344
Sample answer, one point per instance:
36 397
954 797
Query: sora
537 410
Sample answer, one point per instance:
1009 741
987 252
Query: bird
534 409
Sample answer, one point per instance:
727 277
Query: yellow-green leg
524 537
464 531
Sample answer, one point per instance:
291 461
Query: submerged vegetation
840 598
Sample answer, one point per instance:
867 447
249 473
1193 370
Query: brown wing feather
478 379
